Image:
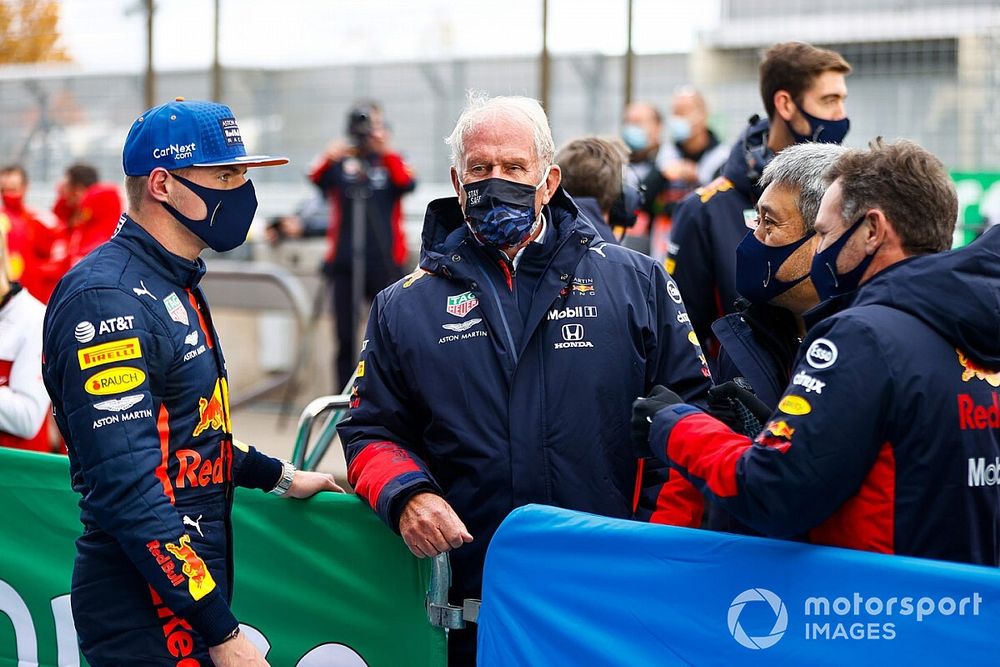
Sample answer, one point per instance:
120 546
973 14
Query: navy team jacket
139 390
462 392
887 438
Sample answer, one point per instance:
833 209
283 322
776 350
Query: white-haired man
501 372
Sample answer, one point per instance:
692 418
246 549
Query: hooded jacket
887 439
707 226
495 396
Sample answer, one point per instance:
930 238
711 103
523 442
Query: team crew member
804 92
887 436
139 388
502 372
23 401
366 169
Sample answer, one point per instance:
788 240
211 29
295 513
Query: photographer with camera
364 181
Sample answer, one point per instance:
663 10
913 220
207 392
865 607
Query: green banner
978 199
318 582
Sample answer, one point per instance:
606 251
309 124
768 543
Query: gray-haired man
502 373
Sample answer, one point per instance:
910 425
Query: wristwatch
285 481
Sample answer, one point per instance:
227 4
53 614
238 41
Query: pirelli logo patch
107 353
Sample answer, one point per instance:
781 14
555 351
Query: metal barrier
439 612
232 284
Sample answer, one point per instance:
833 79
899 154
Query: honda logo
572 332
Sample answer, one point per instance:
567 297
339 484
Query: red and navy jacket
708 224
466 390
887 438
386 178
140 393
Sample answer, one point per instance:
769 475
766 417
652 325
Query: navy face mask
826 280
499 212
230 213
757 264
822 131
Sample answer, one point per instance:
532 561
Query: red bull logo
200 582
973 370
781 429
165 562
194 472
213 412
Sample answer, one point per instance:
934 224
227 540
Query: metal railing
232 284
440 613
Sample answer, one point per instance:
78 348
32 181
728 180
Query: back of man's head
792 67
81 175
908 184
803 167
592 167
480 108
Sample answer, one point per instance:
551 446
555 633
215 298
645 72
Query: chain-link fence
927 70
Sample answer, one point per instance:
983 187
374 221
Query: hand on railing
307 484
429 526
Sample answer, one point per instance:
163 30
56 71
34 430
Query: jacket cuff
212 618
258 471
663 423
399 500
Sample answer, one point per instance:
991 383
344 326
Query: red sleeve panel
381 471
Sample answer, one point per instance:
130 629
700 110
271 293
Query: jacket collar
178 270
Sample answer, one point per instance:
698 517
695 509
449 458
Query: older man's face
780 223
504 149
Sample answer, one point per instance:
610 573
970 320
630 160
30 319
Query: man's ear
880 231
552 182
454 182
784 105
157 185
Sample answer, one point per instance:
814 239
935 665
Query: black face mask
820 130
824 274
757 265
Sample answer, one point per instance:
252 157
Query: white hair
803 166
481 108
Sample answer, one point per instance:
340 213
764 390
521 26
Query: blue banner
567 588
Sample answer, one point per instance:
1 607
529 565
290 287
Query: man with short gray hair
502 371
759 342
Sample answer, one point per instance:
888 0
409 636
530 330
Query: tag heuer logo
461 304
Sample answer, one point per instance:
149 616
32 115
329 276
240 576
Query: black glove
734 404
643 411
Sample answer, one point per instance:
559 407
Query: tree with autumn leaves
29 32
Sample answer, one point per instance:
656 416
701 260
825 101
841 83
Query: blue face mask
230 213
757 264
499 212
826 280
822 131
635 137
680 128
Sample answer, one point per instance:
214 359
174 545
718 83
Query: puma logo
188 521
140 292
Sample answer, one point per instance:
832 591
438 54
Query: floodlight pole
216 66
150 83
545 75
629 58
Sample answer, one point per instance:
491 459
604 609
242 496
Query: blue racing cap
188 134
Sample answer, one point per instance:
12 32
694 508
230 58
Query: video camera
359 125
